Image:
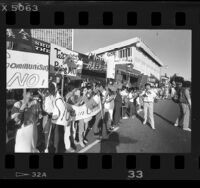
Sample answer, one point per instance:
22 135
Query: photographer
148 98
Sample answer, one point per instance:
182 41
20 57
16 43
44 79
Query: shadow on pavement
110 145
170 122
142 119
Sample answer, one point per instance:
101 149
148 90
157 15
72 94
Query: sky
172 47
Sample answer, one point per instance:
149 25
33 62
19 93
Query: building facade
135 52
61 37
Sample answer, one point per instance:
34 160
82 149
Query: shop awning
126 69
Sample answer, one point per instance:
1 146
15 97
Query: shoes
76 143
187 129
70 150
176 124
82 144
153 128
144 122
125 117
133 117
111 128
85 141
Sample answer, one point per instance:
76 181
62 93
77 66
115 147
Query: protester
47 115
108 102
124 94
183 98
99 126
148 98
132 103
50 114
173 90
26 114
117 109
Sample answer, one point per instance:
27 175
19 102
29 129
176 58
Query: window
129 52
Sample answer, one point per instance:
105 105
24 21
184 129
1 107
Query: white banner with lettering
57 56
82 112
60 112
26 70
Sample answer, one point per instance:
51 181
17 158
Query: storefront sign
19 36
26 70
41 46
95 63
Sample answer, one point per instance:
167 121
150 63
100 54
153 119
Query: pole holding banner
62 86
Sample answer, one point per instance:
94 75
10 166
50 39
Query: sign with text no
26 70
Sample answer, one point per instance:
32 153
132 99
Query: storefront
125 75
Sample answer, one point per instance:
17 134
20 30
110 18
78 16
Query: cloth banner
26 70
82 112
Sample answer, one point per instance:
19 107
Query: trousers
148 113
184 116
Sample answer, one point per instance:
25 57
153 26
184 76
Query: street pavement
134 137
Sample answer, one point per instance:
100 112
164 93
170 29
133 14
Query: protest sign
64 61
110 73
26 70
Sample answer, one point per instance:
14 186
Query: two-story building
135 53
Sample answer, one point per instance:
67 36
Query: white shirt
131 97
124 93
97 99
48 104
109 105
150 95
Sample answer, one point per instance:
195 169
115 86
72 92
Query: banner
82 112
26 70
60 112
94 63
64 61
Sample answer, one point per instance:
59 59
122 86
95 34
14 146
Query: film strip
103 15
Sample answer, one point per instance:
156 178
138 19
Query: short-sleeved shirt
150 96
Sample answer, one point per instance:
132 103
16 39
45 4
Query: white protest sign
109 59
57 56
26 70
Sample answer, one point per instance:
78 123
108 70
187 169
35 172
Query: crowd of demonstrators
38 116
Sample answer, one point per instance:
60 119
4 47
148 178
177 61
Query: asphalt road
134 137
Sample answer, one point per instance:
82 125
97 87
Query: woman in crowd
26 115
131 103
108 102
124 93
117 109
